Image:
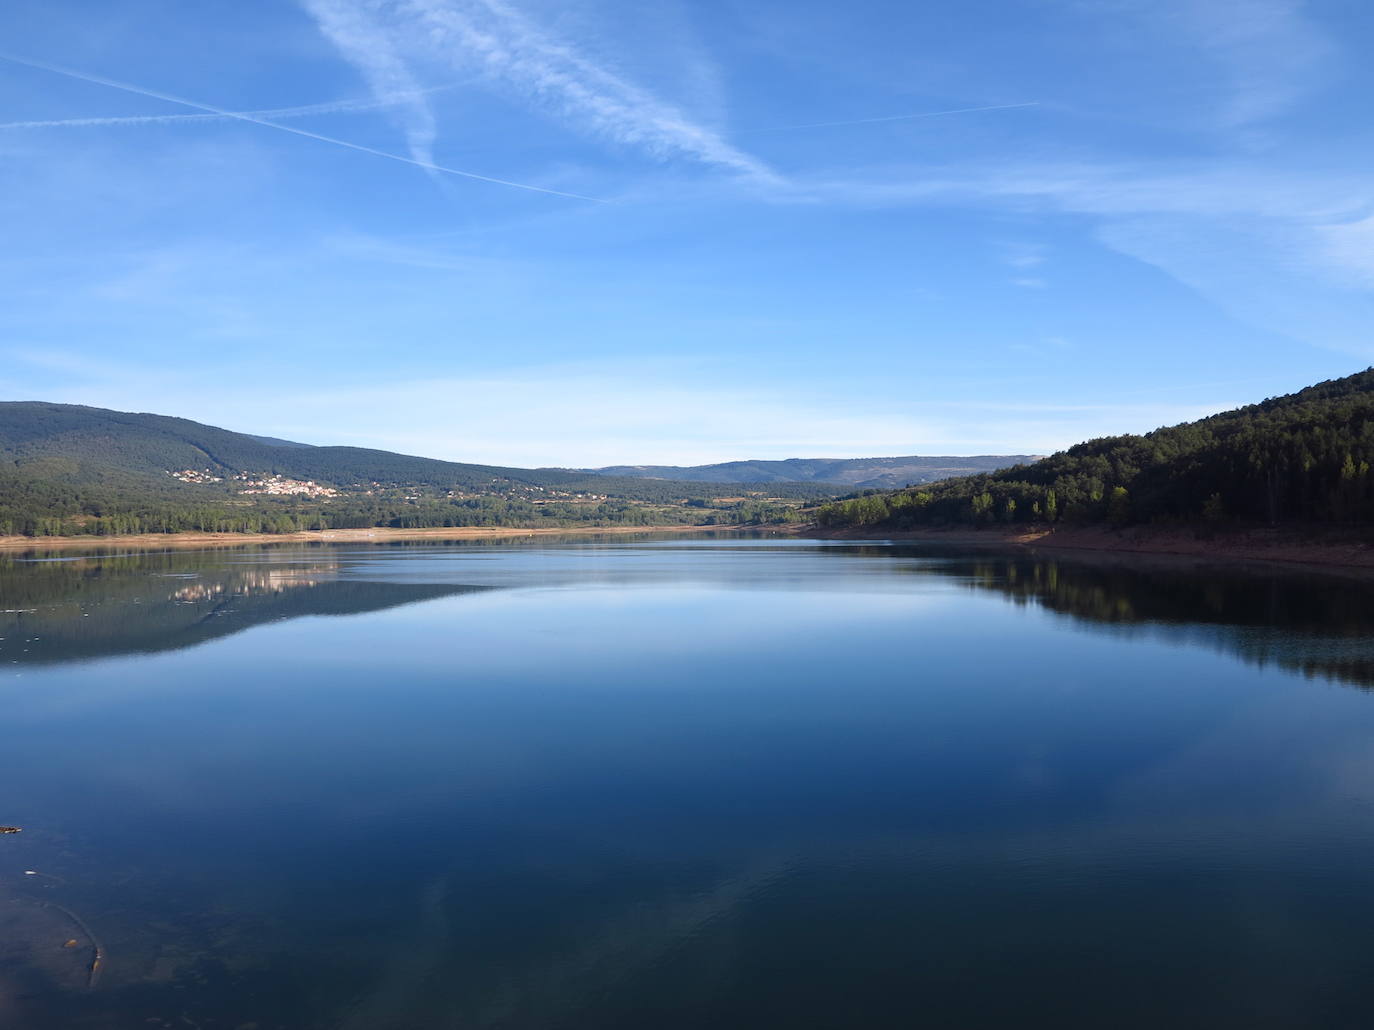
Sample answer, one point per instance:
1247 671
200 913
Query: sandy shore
378 535
1344 550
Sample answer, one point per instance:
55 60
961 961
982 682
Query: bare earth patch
1338 548
378 535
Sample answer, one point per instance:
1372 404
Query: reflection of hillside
1319 625
97 607
251 582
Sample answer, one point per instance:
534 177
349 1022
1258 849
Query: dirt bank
1335 548
1344 549
163 541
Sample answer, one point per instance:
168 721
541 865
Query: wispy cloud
373 249
364 41
895 117
1025 258
1278 275
1023 255
1283 249
1262 55
1046 348
512 52
126 87
1268 50
1109 188
1350 248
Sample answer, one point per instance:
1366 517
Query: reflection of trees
88 607
94 607
1317 624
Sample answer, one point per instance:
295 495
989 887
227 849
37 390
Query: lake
682 783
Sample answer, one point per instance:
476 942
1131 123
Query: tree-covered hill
1300 459
852 472
72 469
99 442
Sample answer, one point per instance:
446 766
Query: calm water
682 783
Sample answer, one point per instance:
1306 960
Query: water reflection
683 784
1319 624
78 608
84 608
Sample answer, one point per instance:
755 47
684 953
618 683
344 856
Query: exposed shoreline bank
375 535
1345 551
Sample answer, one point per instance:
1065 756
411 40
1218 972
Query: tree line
42 508
1304 458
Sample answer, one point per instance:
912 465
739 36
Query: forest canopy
1303 458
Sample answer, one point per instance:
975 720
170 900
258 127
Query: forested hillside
1303 458
94 443
67 469
852 472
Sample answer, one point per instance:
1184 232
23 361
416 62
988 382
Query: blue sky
722 229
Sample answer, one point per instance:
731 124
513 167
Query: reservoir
682 783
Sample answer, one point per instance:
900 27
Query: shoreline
1261 545
375 535
1258 545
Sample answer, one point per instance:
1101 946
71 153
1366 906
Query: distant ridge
68 469
864 473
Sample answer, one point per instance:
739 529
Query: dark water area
682 783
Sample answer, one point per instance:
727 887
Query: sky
590 232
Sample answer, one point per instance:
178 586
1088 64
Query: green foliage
1304 458
76 444
1213 510
1119 506
981 506
69 470
854 473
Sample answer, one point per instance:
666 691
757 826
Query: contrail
252 119
894 117
299 111
132 119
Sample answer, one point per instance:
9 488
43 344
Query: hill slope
67 468
100 442
1303 458
886 473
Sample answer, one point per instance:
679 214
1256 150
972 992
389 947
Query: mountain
886 473
1301 459
92 443
67 468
